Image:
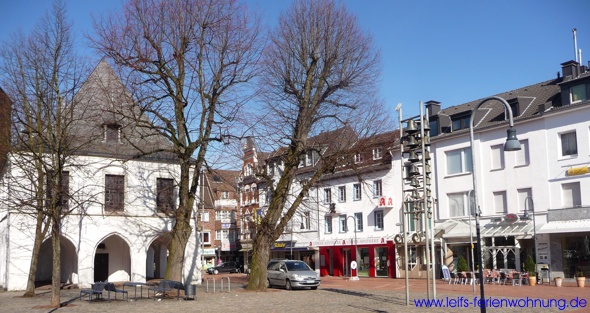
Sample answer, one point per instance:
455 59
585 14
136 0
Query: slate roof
104 100
532 100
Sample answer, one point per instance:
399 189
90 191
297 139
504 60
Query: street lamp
526 216
356 276
512 144
202 182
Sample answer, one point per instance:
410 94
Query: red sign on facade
386 202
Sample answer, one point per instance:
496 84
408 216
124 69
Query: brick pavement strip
334 295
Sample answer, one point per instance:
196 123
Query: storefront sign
283 244
386 202
578 170
510 217
345 242
207 251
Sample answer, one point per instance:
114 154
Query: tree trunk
180 236
260 258
39 235
56 277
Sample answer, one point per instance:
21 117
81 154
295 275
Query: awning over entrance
520 230
573 226
453 229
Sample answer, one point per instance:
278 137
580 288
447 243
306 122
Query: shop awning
572 226
520 230
453 229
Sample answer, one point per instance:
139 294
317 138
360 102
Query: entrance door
347 259
381 262
101 267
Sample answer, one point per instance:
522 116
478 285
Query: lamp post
512 144
356 276
202 226
471 212
526 216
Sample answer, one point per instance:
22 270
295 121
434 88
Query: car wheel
314 288
288 285
215 272
268 285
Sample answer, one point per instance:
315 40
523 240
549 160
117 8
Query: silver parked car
291 274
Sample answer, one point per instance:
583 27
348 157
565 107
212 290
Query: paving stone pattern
334 295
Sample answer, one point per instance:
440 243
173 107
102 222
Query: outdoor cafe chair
516 279
95 291
111 287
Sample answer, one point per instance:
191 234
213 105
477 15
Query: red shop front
376 257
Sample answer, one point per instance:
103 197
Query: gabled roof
223 180
103 101
330 141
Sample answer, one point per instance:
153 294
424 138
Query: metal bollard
211 278
228 284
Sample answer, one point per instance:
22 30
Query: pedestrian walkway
335 294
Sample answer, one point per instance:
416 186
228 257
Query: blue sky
452 51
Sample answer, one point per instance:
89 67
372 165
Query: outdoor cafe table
135 285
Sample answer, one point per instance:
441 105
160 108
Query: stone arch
69 262
112 259
157 256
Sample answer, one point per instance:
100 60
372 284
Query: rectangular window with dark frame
165 195
569 145
328 224
379 220
114 194
63 192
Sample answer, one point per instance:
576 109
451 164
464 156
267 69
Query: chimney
432 108
570 68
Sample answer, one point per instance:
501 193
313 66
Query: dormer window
460 122
112 133
578 93
358 158
377 153
514 106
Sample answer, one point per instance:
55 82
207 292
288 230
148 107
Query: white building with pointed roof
120 197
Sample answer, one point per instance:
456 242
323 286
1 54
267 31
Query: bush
462 264
529 265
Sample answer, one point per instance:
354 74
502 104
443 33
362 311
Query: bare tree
320 74
189 63
42 74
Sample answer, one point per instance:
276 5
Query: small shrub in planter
462 264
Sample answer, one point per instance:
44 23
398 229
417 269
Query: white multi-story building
547 176
121 232
354 202
536 190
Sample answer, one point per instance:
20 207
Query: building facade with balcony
538 189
